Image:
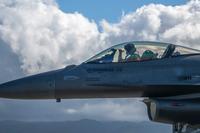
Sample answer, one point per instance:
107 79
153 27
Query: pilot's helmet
128 47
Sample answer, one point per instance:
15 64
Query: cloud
9 64
49 110
118 110
37 36
44 37
157 22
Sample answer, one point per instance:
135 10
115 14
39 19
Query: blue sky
110 10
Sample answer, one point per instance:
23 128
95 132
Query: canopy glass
140 51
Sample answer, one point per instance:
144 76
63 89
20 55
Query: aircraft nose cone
39 86
8 89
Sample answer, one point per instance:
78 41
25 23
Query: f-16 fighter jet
166 75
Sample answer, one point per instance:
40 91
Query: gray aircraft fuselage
172 76
167 75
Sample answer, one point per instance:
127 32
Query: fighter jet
167 76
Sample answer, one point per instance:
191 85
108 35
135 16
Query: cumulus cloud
157 22
43 36
119 110
9 64
37 36
49 110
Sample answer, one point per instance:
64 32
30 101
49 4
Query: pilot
149 55
131 54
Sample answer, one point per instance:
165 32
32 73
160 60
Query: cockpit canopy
140 51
